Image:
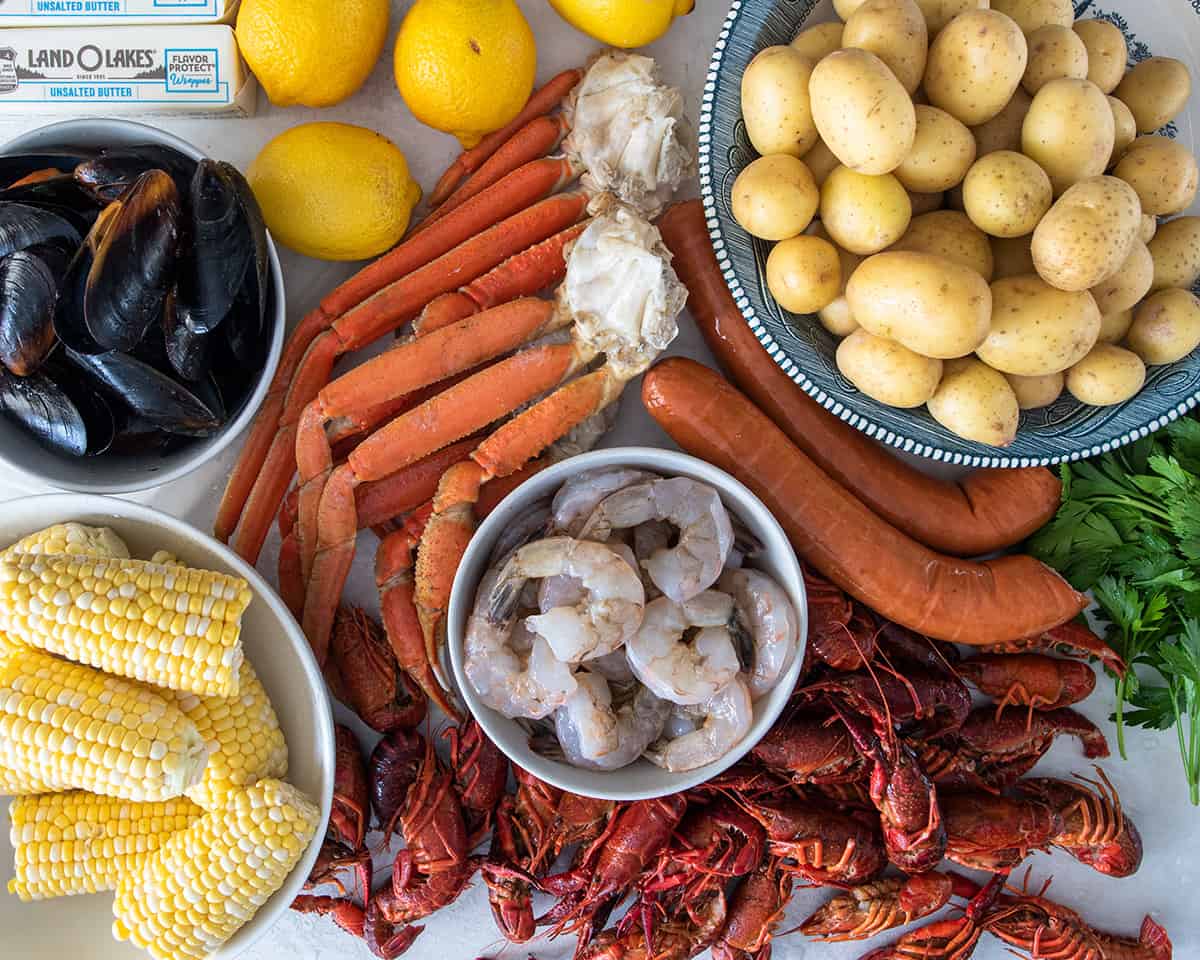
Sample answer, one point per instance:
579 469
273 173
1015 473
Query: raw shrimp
609 612
694 509
595 735
766 614
680 720
565 591
680 668
530 525
512 674
727 718
614 667
581 494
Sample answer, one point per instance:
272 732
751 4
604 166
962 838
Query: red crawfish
367 677
1029 680
1068 639
351 796
988 832
864 911
394 765
754 914
335 856
853 796
918 700
952 939
579 820
810 749
345 913
678 937
950 770
480 774
841 633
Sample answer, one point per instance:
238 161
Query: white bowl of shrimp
628 623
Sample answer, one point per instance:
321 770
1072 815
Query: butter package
65 13
124 70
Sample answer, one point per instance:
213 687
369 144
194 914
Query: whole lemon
465 67
334 191
622 23
311 53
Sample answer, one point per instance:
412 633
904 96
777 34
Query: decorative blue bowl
1065 430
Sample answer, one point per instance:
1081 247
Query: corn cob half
173 627
13 784
75 539
245 743
69 726
204 884
78 842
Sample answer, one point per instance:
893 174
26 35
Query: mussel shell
97 412
135 263
17 166
44 410
258 278
23 225
62 191
108 175
29 285
186 347
244 335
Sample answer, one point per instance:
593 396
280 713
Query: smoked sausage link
943 597
987 511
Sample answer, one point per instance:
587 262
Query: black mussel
258 279
186 347
134 264
112 172
148 393
43 409
69 322
16 167
208 390
23 225
222 247
97 413
61 191
29 285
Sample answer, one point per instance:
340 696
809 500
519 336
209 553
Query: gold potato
1108 374
820 161
776 106
1087 234
1069 131
976 403
1124 129
774 197
862 112
1055 52
1003 131
975 64
818 41
1149 228
1031 14
886 371
938 13
1037 329
1114 326
1006 194
1162 171
1011 257
1035 392
1128 284
1155 91
949 234
942 152
863 213
1175 250
804 274
893 30
835 316
1166 327
845 8
932 305
1107 52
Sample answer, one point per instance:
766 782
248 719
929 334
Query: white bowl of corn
166 742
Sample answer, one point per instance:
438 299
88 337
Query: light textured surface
1150 783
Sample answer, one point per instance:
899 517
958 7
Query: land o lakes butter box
57 13
145 70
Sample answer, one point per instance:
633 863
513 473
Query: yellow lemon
334 191
622 23
465 67
311 53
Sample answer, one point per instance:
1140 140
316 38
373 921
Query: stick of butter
146 70
60 13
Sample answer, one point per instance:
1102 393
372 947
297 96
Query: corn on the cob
69 726
204 884
166 558
74 539
78 842
169 626
13 784
245 744
9 645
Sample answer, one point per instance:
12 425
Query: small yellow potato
1162 171
775 102
1108 374
1128 284
1036 329
818 41
1069 131
1124 129
1114 326
949 234
893 30
835 316
862 213
887 371
1055 53
1035 392
1166 327
1011 257
845 8
1149 228
1003 131
976 403
975 64
934 306
1031 14
1107 52
1087 234
804 274
775 197
1006 194
862 112
820 161
938 13
925 202
1155 91
942 152
1175 250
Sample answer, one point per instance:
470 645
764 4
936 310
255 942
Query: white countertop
1150 783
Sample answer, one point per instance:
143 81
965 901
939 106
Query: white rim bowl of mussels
132 420
505 622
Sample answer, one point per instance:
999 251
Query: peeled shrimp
694 509
609 612
565 591
727 718
595 736
681 669
614 667
766 613
582 493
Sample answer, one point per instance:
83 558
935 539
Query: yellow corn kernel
14 784
74 539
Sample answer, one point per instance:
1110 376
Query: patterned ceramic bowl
1065 430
